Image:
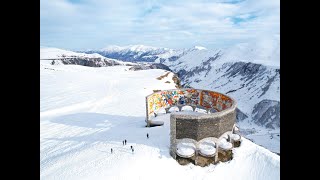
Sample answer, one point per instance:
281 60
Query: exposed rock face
177 81
267 113
240 115
149 66
91 62
205 67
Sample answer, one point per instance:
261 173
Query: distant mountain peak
200 48
135 48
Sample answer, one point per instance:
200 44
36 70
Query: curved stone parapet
200 127
211 101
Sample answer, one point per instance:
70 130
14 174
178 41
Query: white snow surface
235 137
224 144
207 147
85 111
186 149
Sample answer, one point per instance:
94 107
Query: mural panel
209 99
193 97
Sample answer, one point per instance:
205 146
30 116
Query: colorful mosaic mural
210 99
193 97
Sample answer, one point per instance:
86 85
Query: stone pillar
173 143
217 152
148 123
147 113
196 156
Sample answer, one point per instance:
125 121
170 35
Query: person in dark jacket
111 150
125 142
147 135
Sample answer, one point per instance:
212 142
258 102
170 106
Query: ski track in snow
87 111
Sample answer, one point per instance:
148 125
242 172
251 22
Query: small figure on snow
122 142
131 147
229 138
132 150
147 135
125 142
111 150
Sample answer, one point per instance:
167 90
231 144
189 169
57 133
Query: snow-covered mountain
86 111
140 53
57 56
248 72
61 56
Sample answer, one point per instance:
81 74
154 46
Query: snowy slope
249 72
85 111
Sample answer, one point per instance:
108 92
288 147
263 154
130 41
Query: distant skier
122 142
131 147
111 150
125 142
132 150
147 135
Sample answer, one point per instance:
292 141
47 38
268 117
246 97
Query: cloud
81 24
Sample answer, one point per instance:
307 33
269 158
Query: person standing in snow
132 150
111 150
125 142
131 147
147 135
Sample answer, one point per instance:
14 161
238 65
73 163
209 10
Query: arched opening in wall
173 109
186 108
200 109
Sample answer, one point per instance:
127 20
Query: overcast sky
95 24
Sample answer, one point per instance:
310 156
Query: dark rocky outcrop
149 66
267 113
